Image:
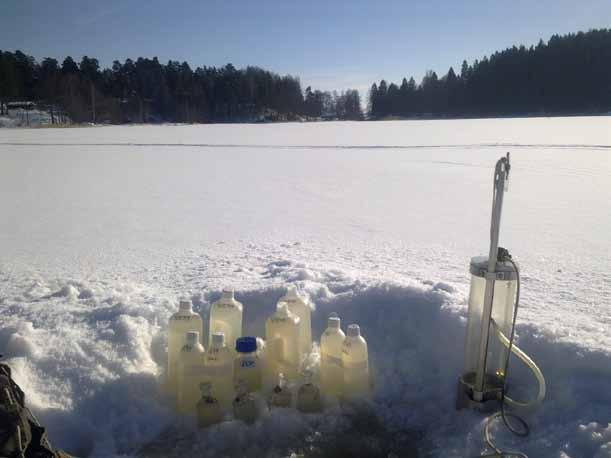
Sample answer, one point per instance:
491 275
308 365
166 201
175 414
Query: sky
330 45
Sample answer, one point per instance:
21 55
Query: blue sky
329 44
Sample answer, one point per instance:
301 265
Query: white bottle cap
354 330
185 304
333 322
218 339
192 338
291 292
227 293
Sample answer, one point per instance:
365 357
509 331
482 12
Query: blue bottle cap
246 344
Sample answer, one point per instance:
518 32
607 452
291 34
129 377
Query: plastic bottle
218 363
183 321
209 410
282 334
331 369
281 394
300 307
247 366
245 406
226 317
308 396
355 361
190 373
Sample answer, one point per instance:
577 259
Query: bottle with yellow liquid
190 373
245 405
226 317
355 361
209 410
331 369
183 321
301 307
283 351
309 399
247 367
281 394
218 366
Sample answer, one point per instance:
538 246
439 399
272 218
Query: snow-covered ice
103 229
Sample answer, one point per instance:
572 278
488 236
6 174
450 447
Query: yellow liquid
180 323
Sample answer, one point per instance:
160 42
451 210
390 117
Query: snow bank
89 356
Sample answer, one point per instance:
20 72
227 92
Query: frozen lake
103 228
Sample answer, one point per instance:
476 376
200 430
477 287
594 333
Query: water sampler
493 305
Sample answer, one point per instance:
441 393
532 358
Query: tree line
569 74
146 90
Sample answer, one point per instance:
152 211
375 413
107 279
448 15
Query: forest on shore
568 74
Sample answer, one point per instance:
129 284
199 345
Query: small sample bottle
183 321
190 373
331 370
355 361
281 394
226 317
245 406
308 396
247 368
209 410
218 367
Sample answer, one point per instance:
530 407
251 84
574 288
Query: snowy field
102 230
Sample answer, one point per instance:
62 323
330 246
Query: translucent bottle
283 351
218 363
300 307
331 370
190 373
355 361
226 317
247 366
183 321
308 396
281 394
209 410
245 406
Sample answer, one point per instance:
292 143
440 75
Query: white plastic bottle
309 399
226 317
218 363
247 367
355 361
283 351
190 373
331 369
303 309
183 321
281 394
209 410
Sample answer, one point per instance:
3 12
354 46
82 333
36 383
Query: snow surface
103 229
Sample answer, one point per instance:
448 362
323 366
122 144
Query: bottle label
248 363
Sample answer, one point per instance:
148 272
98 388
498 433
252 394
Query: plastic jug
209 410
281 394
218 363
247 365
309 399
190 373
283 351
183 321
355 361
302 308
331 369
226 317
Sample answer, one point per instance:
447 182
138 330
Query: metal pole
500 175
